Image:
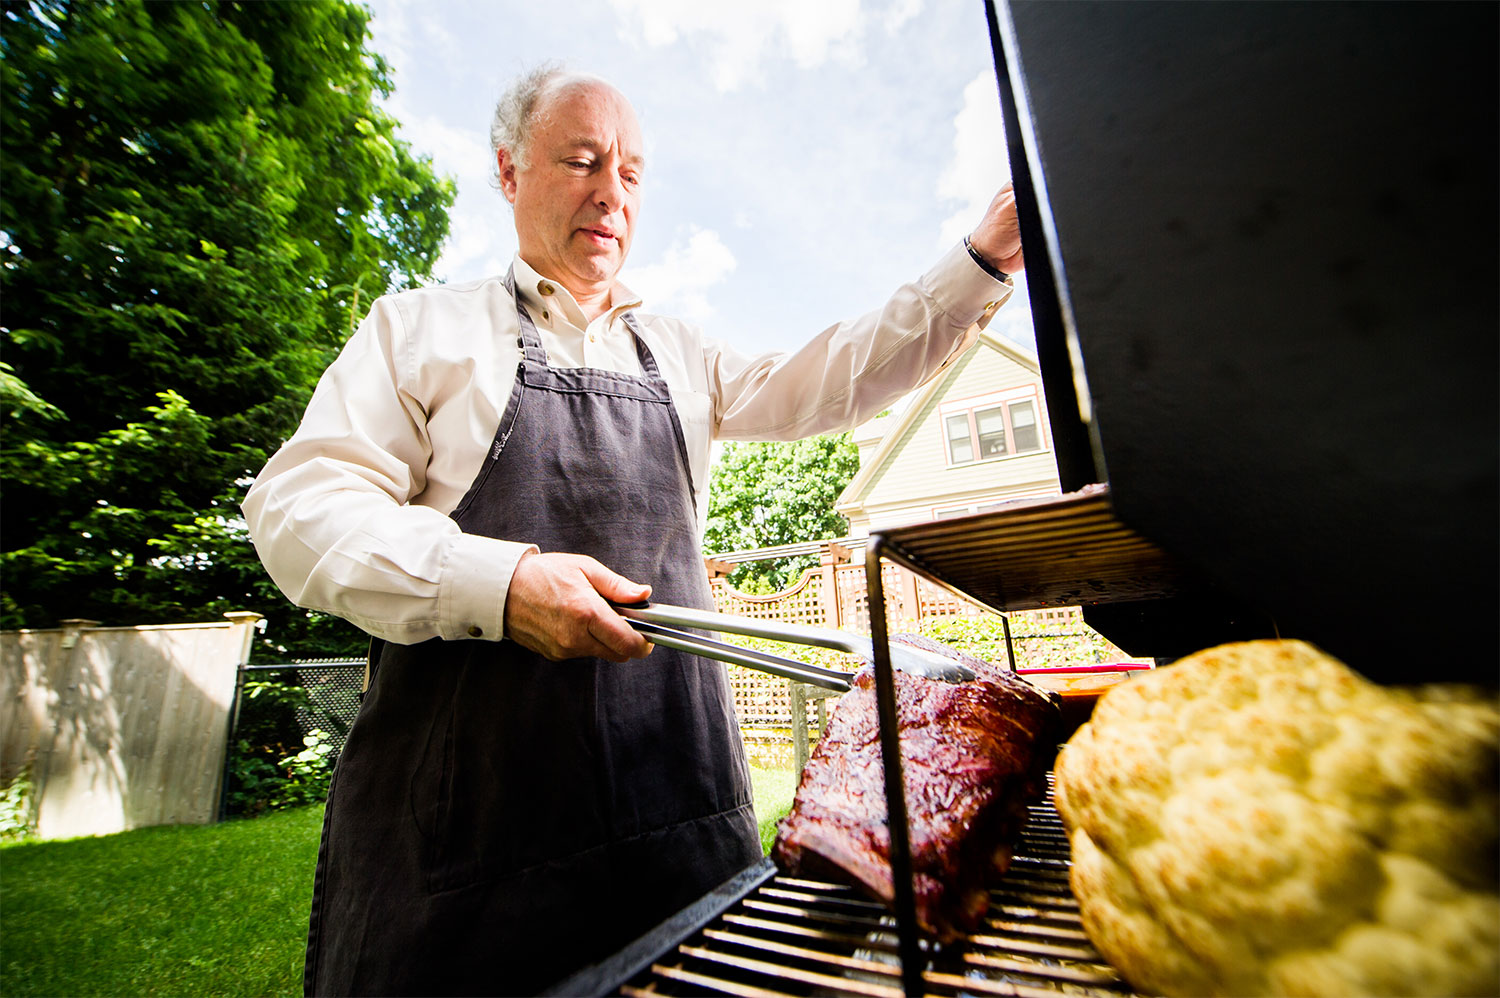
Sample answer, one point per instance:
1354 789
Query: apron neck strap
530 340
648 362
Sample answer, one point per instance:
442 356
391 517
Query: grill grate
805 937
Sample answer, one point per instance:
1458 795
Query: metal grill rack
792 936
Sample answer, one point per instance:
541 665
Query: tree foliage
191 197
769 494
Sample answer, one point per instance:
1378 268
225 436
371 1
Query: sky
803 157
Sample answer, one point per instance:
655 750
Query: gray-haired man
529 784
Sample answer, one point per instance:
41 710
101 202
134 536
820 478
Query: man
529 784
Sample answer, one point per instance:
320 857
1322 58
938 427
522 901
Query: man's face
576 199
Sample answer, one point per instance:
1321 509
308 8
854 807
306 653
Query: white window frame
1003 401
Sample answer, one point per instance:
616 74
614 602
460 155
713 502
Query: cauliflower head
1258 819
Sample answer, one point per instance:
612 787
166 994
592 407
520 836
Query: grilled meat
973 755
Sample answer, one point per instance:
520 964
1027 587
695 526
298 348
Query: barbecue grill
1262 257
765 934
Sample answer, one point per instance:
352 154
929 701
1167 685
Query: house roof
895 427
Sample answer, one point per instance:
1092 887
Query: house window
993 428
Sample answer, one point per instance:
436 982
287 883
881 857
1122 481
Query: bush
272 764
18 807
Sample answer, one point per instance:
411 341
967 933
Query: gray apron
498 821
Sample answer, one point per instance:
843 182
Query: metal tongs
661 622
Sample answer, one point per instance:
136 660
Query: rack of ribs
973 755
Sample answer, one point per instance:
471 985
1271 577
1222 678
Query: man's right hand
556 606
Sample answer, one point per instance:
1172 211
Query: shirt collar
541 292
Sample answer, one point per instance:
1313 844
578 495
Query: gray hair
510 126
515 111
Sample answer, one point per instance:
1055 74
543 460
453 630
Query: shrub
18 807
272 764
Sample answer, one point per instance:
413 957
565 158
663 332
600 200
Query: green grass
176 910
773 789
200 910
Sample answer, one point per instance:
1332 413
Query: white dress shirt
350 516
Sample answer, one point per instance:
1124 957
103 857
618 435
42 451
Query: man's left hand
998 237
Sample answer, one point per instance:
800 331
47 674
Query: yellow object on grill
1259 819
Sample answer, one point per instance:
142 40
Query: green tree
190 196
769 494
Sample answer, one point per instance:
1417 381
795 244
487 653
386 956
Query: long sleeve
331 514
850 371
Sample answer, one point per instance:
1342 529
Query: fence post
911 597
248 620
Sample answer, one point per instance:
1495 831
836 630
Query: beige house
972 438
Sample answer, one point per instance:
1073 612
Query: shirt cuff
963 290
475 581
984 264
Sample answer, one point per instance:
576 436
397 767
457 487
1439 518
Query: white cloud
741 37
900 12
403 31
696 260
980 164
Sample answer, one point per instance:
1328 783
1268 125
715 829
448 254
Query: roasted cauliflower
1258 819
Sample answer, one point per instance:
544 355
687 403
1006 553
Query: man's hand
998 237
556 606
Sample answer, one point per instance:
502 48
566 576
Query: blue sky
803 156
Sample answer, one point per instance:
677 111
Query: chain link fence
334 689
280 709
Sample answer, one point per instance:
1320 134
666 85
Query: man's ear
506 167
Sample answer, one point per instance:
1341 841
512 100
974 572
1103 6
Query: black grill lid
1266 235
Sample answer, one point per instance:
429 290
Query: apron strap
648 362
530 341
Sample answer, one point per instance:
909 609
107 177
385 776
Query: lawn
198 910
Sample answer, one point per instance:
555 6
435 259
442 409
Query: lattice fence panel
801 604
760 700
939 602
1058 636
854 597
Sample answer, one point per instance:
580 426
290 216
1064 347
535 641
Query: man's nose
610 193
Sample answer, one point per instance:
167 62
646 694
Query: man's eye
632 179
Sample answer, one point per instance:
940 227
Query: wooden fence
834 594
119 727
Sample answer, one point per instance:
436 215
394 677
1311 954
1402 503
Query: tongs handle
776 665
913 661
774 630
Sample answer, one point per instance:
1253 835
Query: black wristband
984 264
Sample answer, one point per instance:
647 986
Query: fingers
612 586
556 606
998 236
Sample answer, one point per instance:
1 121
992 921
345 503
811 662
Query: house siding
917 480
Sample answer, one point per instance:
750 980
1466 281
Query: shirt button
546 314
546 289
475 631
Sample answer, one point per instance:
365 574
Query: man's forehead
588 113
572 95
